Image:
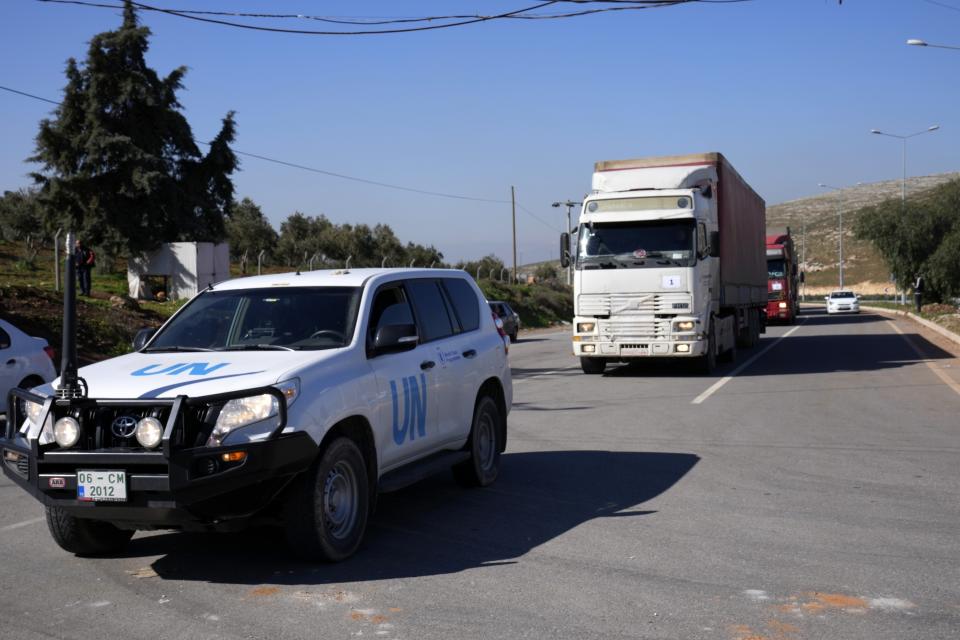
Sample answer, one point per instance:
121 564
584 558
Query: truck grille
652 329
633 304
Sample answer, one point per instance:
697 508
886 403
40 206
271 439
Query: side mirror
564 250
714 244
143 337
392 338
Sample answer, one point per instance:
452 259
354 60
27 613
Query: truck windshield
637 245
294 318
776 269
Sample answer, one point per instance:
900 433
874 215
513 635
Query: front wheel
327 508
593 366
85 537
483 467
708 361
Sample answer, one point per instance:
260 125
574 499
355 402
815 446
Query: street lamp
569 204
839 191
903 184
924 43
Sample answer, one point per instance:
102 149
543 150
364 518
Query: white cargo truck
669 262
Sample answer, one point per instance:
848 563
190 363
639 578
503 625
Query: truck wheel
483 467
593 366
513 337
708 361
85 537
326 510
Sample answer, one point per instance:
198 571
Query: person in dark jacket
918 292
83 261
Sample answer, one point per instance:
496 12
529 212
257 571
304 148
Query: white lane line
25 523
724 380
947 380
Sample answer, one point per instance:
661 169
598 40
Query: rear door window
433 319
465 303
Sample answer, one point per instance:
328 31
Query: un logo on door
414 408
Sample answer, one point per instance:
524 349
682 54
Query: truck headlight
33 412
684 325
782 305
149 432
66 431
241 412
586 327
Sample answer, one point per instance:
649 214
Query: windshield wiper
257 347
176 348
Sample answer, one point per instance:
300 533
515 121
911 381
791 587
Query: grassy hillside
864 269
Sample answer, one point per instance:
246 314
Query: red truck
783 279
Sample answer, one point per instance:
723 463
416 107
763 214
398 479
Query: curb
946 333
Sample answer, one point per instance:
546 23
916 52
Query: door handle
11 361
427 364
469 353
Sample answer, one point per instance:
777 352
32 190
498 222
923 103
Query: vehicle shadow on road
436 527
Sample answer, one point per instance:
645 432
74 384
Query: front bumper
633 348
845 308
187 488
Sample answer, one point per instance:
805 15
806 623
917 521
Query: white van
290 398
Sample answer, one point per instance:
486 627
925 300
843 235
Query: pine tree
119 163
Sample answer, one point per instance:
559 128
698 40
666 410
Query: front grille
632 304
654 329
775 295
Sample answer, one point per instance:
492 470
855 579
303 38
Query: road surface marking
25 523
947 380
724 380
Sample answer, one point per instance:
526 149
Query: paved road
814 494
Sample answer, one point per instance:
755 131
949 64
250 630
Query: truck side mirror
395 337
714 244
564 250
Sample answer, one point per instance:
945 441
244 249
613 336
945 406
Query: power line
335 174
455 20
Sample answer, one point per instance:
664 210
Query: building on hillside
178 270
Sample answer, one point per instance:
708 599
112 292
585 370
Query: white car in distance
843 302
25 361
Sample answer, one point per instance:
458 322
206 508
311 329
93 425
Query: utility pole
56 259
513 207
803 257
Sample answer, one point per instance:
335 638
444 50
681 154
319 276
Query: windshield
776 268
636 244
842 294
292 318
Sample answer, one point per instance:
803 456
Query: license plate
102 486
642 350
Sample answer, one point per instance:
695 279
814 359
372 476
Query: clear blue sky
787 89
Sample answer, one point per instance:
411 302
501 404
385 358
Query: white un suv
290 398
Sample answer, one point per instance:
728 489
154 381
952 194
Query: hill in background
864 269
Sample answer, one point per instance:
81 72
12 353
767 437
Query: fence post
260 260
56 259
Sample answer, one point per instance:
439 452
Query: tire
483 467
593 366
513 337
708 361
730 355
85 537
327 508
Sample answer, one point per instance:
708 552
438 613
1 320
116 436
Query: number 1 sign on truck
670 262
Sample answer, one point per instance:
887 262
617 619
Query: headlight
783 305
149 432
684 325
66 432
586 327
33 413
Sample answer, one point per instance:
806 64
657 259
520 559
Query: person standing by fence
84 259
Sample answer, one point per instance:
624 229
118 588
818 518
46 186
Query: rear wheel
513 337
326 510
483 467
593 366
85 537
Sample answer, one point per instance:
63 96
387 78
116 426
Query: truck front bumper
630 348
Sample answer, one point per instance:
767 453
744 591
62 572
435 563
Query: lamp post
923 43
839 191
903 183
569 204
